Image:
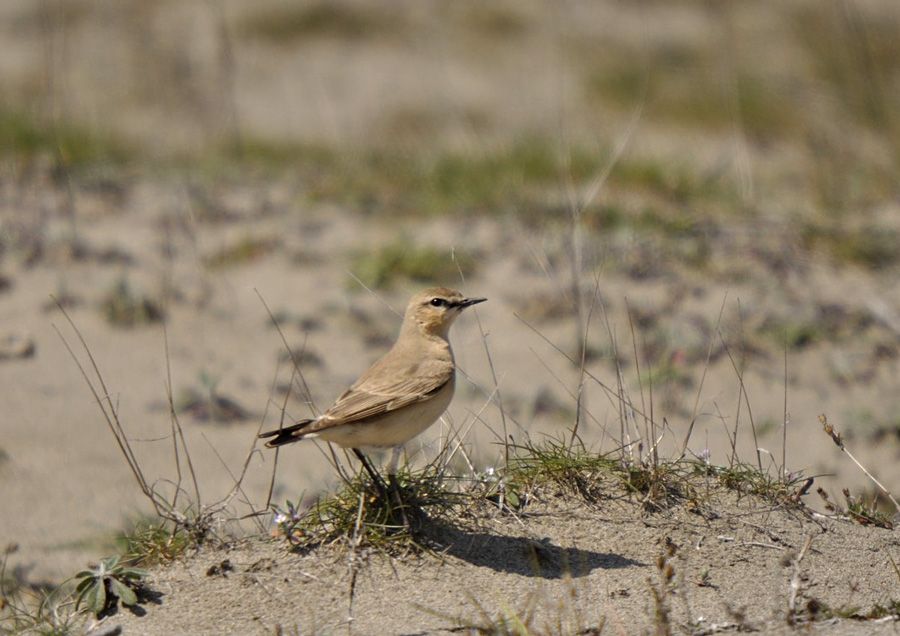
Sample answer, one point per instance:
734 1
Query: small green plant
405 259
124 307
868 247
149 542
318 20
104 586
246 250
571 468
26 136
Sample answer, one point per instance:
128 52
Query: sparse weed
571 468
247 249
404 259
858 509
32 609
152 541
594 477
749 480
359 513
318 20
123 307
26 137
869 247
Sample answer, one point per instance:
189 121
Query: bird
400 395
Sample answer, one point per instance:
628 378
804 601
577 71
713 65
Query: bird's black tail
285 435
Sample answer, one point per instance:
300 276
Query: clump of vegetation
869 247
681 86
104 586
359 515
344 20
246 250
858 509
750 480
151 542
794 334
404 259
25 136
28 608
570 468
124 307
511 178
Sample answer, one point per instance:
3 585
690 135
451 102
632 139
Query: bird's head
434 309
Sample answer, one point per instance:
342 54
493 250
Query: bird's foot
411 515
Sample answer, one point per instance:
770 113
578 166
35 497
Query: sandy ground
561 564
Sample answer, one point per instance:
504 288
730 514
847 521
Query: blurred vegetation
404 259
245 250
870 247
827 111
122 306
319 20
24 137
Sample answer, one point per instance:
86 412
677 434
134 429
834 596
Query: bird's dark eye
438 302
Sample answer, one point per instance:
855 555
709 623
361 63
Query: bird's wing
370 398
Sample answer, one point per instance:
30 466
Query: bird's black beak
468 302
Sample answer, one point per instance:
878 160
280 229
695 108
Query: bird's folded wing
376 398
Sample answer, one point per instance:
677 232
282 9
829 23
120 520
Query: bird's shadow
521 555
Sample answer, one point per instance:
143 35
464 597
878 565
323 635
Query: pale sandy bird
402 394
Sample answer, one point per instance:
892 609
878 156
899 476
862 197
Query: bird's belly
393 428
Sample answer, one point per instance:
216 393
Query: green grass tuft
404 259
358 515
27 137
318 20
123 307
151 541
870 247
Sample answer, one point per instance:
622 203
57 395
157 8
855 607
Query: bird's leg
395 486
376 478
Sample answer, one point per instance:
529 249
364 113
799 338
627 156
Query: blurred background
700 200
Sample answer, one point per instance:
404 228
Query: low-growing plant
573 468
151 541
124 307
404 259
110 582
359 512
247 249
